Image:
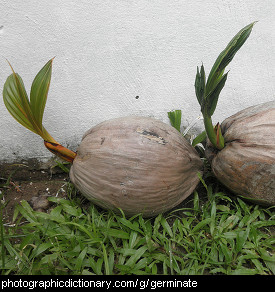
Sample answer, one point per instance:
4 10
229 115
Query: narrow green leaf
129 224
227 55
271 266
117 233
39 92
13 252
82 228
29 113
98 266
200 84
199 139
244 206
17 102
132 239
134 258
106 262
220 138
230 234
55 214
260 224
175 119
202 180
213 218
166 227
111 260
79 260
41 248
242 238
223 208
201 224
266 256
226 252
259 266
72 210
196 202
26 211
213 96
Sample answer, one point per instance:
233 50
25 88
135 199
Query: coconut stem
60 151
214 133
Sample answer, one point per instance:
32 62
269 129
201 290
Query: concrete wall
108 52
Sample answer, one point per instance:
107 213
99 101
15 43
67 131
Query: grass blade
166 227
130 225
199 139
134 258
201 224
116 233
242 238
79 260
40 249
106 262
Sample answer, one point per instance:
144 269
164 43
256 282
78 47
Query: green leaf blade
39 92
227 55
199 139
16 101
29 113
175 119
212 98
200 84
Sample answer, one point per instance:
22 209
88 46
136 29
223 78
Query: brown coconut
137 164
246 165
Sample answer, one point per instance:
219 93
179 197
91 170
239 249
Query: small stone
40 203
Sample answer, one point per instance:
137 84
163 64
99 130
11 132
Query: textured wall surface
110 52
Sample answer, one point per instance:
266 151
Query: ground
20 182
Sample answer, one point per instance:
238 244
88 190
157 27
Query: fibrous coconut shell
137 164
246 165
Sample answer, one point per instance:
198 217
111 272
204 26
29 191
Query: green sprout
208 92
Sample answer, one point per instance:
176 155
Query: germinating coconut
246 165
137 164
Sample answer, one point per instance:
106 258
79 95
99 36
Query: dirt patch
22 182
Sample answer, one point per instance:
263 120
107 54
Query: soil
20 182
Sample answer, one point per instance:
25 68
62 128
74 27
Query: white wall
110 51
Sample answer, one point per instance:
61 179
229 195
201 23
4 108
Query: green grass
215 234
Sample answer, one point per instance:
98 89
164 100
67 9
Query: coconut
246 165
136 164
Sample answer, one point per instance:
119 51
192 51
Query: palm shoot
29 112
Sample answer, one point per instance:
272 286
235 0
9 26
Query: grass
215 234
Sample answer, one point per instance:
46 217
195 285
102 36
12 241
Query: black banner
35 283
